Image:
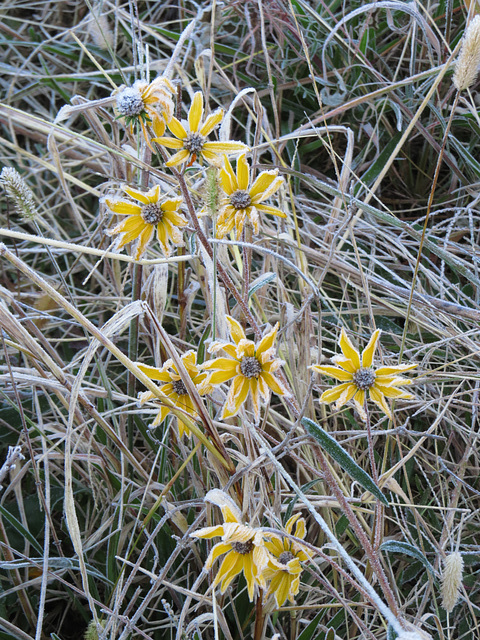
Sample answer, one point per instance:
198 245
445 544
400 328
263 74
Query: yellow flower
243 202
358 377
193 144
250 365
145 217
145 102
242 544
283 569
174 388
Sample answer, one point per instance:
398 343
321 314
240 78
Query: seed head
468 61
130 102
19 193
212 191
451 580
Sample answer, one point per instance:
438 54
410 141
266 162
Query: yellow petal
347 394
379 399
243 173
274 211
331 395
170 143
388 371
236 396
211 122
231 566
333 372
196 111
143 241
153 195
218 377
267 341
153 373
219 549
178 158
265 185
248 572
209 532
236 330
369 351
349 351
393 392
132 223
123 208
172 204
228 178
225 147
158 126
135 194
273 383
177 128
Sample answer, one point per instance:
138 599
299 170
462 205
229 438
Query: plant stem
133 349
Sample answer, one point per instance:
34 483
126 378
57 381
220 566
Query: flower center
285 557
179 388
152 213
251 367
242 547
240 199
194 142
364 378
130 102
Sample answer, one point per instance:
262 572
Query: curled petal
331 395
179 158
123 208
243 173
274 211
236 330
266 184
389 371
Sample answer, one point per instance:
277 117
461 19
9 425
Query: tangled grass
353 105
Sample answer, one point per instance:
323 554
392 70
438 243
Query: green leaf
338 453
406 549
18 526
260 282
308 632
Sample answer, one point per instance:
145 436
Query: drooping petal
333 372
243 173
236 396
349 350
393 392
196 112
379 399
369 351
248 572
143 240
347 394
131 224
211 122
219 549
231 566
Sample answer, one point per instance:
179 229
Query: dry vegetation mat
240 320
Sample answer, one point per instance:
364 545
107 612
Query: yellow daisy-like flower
145 102
193 144
244 201
251 366
147 216
174 388
358 377
243 546
283 569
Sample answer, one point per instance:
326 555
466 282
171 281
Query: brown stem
361 535
227 281
259 617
